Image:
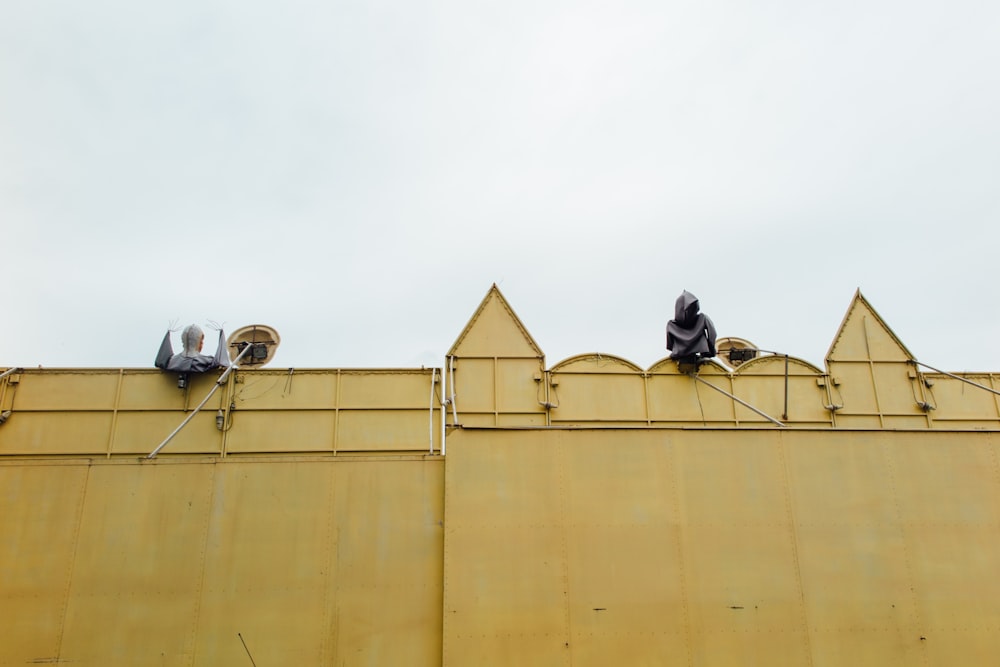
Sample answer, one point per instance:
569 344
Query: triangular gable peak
864 336
495 331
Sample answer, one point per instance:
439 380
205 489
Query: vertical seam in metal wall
336 413
335 550
679 546
331 577
335 621
72 561
732 390
203 557
992 444
996 397
645 396
445 633
914 606
564 529
996 460
789 512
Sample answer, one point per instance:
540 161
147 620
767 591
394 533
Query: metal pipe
444 417
430 426
10 371
738 400
218 383
952 375
454 410
785 414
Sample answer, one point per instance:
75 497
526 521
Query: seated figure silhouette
190 360
691 334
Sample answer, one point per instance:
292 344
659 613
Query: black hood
686 309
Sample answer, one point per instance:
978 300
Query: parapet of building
493 376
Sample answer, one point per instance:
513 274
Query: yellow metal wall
310 561
564 546
597 547
590 513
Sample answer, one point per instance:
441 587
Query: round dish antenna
735 351
264 340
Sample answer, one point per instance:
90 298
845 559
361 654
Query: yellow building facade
498 511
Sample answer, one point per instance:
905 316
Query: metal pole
454 408
444 416
740 401
218 383
10 371
785 415
952 375
785 354
430 426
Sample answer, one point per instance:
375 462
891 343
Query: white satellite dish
263 339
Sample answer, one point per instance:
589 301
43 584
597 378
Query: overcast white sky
357 174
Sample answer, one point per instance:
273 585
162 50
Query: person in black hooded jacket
691 334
